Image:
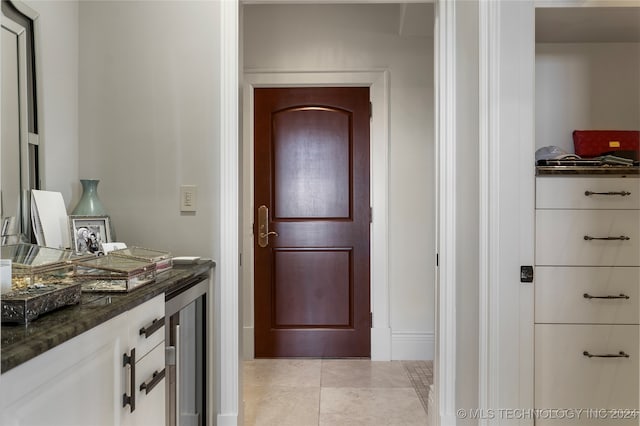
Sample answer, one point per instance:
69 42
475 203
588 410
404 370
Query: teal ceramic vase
89 204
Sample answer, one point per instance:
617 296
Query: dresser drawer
150 388
587 295
566 378
587 193
564 237
147 325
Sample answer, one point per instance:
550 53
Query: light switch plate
188 198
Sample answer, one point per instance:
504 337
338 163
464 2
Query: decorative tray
23 306
41 281
162 259
113 273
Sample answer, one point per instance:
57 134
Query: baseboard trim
412 345
381 344
227 420
431 408
248 347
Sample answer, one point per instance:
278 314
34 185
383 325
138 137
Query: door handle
263 226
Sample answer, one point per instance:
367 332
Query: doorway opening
362 45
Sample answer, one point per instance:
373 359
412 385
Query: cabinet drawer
576 193
560 295
566 378
150 407
152 363
142 319
562 237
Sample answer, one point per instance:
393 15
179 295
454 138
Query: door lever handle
265 235
263 226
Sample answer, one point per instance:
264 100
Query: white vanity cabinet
147 381
586 296
85 380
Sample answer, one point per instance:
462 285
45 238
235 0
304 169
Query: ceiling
553 24
587 24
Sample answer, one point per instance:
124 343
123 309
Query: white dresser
587 286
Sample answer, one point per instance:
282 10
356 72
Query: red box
593 143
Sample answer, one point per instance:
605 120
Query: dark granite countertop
617 171
20 343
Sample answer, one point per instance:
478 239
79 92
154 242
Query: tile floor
333 392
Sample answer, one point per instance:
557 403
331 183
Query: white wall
149 118
58 96
585 86
365 37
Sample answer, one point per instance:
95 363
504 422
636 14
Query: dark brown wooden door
312 173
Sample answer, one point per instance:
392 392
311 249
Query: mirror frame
29 105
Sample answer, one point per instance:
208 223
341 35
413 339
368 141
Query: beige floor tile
370 406
420 374
281 406
364 374
282 372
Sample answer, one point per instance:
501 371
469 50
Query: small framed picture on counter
88 233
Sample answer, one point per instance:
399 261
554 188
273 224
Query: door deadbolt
263 226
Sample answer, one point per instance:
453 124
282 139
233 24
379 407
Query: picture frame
88 233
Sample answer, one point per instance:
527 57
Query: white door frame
378 82
444 400
225 378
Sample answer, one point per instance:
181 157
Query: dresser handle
621 238
155 325
621 193
155 379
620 354
130 399
621 296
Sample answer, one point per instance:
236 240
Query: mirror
19 143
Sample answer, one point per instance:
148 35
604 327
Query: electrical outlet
188 198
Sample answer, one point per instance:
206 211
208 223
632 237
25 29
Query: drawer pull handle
130 399
621 238
155 379
621 193
620 296
155 325
620 354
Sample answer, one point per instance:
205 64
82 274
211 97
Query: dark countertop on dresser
20 343
617 171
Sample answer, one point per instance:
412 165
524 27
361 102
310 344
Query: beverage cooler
185 328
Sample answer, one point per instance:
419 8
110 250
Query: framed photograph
88 233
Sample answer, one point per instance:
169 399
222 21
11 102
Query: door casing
378 82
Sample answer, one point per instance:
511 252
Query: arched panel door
311 231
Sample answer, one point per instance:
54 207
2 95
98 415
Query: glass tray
114 273
32 264
162 259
